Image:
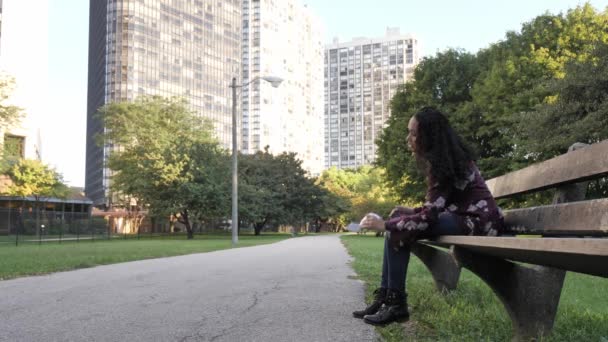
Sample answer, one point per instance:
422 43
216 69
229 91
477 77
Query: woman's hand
373 221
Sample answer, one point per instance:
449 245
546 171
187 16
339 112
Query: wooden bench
527 273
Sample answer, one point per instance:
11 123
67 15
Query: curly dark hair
444 155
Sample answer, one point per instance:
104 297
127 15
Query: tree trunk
186 221
258 226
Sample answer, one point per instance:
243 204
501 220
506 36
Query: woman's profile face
412 128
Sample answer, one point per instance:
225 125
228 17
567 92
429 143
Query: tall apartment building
361 77
284 39
23 58
188 48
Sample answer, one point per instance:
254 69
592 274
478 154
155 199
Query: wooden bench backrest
584 164
575 218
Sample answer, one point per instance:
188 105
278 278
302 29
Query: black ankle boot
394 309
379 298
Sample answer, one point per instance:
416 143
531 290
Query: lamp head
273 80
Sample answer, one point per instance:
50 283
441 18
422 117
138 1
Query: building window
14 146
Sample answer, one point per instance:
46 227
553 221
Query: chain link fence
20 226
29 225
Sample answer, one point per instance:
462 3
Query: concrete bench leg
441 264
530 294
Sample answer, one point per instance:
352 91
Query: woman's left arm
437 198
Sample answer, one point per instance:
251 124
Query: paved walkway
294 290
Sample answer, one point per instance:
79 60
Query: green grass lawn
32 259
472 312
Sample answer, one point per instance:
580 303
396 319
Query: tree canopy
165 157
521 100
9 114
32 178
361 190
276 190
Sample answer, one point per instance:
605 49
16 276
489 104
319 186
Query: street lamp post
235 208
275 82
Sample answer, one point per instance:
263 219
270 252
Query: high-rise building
361 77
284 39
24 60
181 48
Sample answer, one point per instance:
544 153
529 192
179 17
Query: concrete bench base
530 294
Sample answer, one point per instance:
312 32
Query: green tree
9 114
514 77
338 182
259 201
577 113
32 178
276 190
326 207
489 96
166 158
362 189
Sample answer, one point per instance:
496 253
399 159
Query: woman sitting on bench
458 202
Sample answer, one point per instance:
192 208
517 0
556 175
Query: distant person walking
458 202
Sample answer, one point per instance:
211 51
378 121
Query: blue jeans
394 262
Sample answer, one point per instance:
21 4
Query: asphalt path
300 289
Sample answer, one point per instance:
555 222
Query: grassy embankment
473 312
33 259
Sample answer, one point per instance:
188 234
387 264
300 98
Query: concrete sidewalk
295 290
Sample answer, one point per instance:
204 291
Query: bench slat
574 218
582 255
573 167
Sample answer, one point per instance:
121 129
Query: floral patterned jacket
469 200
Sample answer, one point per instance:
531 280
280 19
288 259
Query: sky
438 25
